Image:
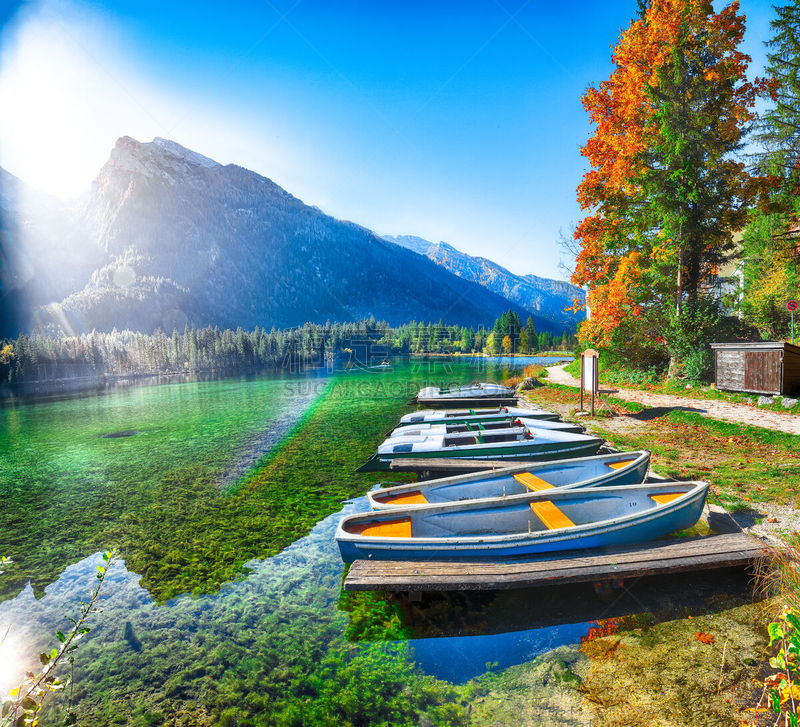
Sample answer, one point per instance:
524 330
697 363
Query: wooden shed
760 368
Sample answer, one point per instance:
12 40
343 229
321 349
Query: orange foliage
622 238
704 638
605 627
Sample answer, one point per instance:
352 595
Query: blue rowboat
517 481
454 416
518 443
428 429
538 524
472 394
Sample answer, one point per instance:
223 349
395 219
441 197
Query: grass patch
744 464
656 382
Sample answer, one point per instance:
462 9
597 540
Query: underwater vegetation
261 640
164 496
228 608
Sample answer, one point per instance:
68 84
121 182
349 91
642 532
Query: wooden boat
512 444
492 424
604 470
473 394
535 525
457 416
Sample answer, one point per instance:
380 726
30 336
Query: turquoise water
227 606
520 361
222 497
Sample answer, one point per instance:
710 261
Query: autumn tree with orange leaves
665 192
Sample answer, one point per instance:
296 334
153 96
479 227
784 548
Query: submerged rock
117 435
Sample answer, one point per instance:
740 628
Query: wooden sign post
792 306
589 374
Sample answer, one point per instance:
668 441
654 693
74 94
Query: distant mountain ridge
173 238
544 298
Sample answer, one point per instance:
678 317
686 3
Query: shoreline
30 392
459 354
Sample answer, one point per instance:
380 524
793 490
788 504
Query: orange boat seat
550 515
532 482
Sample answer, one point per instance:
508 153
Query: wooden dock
728 547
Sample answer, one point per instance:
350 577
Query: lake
226 608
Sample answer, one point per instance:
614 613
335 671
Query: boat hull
463 416
440 403
607 470
523 451
636 528
426 429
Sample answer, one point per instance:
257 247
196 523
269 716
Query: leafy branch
24 706
781 690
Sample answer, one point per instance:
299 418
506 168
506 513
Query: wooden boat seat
666 497
532 482
407 498
550 515
399 528
619 465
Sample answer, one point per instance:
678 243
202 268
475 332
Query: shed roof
758 346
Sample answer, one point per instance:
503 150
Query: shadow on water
456 635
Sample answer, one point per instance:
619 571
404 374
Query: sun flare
11 663
60 96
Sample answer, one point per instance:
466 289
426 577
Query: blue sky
452 121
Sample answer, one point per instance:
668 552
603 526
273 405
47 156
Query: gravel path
724 410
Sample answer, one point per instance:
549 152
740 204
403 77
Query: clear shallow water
460 658
69 490
304 576
518 362
231 491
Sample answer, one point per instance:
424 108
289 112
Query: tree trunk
675 364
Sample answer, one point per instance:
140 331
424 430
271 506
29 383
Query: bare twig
722 666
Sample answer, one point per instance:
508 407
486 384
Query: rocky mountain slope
545 298
172 237
46 252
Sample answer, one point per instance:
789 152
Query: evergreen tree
530 333
771 269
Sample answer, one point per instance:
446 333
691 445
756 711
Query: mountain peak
176 150
160 158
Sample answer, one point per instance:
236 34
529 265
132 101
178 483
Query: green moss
166 497
744 464
273 649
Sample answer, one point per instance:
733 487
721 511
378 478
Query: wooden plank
762 371
791 373
658 557
663 550
477 582
729 369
